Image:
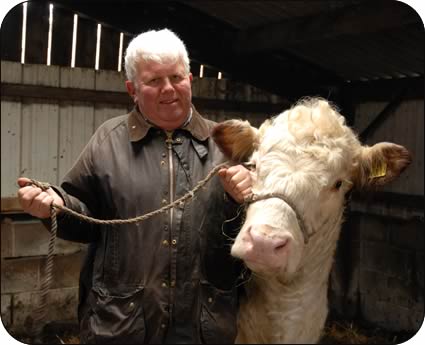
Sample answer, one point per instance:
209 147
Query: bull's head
305 161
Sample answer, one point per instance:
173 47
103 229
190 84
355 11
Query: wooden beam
367 17
109 45
37 31
10 205
63 94
380 118
63 22
82 95
382 90
86 43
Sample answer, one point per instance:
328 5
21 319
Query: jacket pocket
114 317
218 315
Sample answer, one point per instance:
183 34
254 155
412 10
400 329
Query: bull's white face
308 163
308 155
313 188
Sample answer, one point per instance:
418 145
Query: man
169 279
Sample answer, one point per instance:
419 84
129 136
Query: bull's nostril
247 235
280 245
263 240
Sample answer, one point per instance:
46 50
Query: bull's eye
338 184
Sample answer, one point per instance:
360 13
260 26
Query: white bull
305 161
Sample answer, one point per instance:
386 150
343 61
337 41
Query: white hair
162 46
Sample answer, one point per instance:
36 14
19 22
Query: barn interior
250 59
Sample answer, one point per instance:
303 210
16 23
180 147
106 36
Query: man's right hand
35 201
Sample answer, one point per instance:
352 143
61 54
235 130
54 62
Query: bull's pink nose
261 240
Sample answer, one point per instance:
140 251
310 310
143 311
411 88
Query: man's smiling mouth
170 101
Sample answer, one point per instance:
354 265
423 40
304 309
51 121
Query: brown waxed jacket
168 279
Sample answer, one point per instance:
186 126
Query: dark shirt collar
139 126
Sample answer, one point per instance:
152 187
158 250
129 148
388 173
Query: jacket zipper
169 142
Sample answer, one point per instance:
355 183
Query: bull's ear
381 164
236 139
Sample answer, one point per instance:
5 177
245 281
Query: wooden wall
378 275
42 137
405 126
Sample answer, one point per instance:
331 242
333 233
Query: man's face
163 93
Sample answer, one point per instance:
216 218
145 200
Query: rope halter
257 197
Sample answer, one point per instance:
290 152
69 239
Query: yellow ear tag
379 170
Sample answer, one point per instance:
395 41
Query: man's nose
167 84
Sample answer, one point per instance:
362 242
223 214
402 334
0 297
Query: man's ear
380 164
131 89
236 139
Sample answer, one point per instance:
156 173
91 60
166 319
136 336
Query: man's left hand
237 182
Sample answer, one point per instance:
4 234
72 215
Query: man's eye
176 78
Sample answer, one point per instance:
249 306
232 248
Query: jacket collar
138 126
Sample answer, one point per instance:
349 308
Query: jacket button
210 299
164 201
131 305
163 325
162 163
165 243
173 242
178 140
173 283
164 284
